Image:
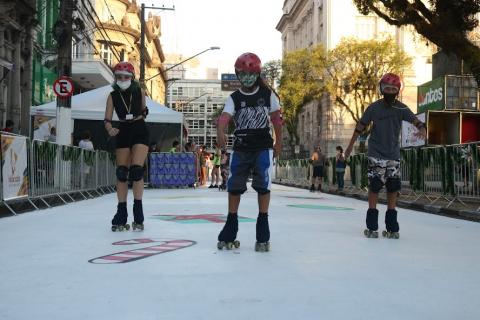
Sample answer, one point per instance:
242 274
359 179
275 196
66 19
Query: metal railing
62 171
451 173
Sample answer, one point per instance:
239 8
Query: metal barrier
451 173
60 171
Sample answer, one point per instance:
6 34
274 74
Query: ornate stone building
306 23
17 22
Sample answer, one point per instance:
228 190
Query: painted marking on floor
303 197
141 253
199 218
319 207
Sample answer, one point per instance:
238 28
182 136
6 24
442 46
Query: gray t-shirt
383 142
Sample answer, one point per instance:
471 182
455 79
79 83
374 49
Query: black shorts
317 172
217 166
132 133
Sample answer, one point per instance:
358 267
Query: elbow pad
223 119
277 119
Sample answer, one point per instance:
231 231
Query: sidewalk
65 263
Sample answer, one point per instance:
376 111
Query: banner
410 134
431 95
14 167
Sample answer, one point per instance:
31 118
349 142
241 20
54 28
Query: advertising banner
410 134
14 167
431 95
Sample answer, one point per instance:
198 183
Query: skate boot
228 235
137 215
391 225
372 224
263 233
119 221
312 188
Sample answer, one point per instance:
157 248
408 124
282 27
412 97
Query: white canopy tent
91 106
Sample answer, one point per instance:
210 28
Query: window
75 49
196 124
106 54
366 27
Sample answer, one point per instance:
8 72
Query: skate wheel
120 228
384 234
229 245
220 245
114 228
127 227
236 243
262 247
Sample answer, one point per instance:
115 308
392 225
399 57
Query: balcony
91 73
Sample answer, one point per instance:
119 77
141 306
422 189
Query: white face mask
124 85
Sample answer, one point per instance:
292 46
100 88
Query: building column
26 85
4 83
14 101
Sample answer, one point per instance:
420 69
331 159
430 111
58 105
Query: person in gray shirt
386 116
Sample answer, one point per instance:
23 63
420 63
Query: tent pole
181 136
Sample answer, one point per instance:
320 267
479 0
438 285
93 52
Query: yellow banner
14 167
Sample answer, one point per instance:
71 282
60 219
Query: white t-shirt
86 144
230 106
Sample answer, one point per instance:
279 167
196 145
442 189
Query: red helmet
390 79
124 68
248 62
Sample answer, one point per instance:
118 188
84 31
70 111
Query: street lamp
183 61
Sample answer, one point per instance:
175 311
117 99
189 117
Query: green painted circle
319 207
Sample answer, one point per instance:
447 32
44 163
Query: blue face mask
247 79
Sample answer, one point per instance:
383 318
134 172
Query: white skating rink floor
65 263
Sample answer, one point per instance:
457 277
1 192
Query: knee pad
122 173
262 191
136 173
376 184
236 192
393 185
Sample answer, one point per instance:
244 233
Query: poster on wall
410 135
14 167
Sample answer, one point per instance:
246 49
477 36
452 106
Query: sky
236 26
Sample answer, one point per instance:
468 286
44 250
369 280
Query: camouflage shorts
383 169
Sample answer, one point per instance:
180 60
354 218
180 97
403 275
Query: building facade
200 101
17 23
306 23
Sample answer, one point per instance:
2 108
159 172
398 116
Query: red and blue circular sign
63 87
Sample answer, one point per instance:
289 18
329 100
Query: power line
100 28
111 16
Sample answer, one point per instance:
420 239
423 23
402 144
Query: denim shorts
244 163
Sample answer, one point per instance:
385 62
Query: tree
354 69
446 23
272 70
299 84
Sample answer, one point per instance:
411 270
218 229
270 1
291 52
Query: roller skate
222 187
263 233
372 224
228 235
119 221
312 188
391 225
137 215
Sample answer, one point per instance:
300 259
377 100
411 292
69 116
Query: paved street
65 263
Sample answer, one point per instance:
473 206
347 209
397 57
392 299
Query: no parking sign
63 87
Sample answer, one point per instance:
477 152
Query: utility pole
62 31
142 39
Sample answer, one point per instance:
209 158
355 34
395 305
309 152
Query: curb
432 209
